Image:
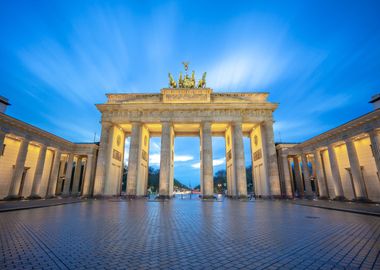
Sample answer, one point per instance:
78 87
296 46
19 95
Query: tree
250 184
154 180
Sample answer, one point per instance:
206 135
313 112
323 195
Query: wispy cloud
154 159
215 163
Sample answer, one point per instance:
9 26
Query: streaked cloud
215 163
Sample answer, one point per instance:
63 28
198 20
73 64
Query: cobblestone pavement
361 208
27 204
187 234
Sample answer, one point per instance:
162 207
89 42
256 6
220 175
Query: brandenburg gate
186 109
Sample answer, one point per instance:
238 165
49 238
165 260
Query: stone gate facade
186 112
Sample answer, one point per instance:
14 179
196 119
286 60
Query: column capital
236 122
206 124
349 140
331 146
107 124
43 146
373 132
270 121
285 155
24 139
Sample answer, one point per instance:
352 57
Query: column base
34 197
208 197
243 197
163 197
323 198
13 198
340 198
362 200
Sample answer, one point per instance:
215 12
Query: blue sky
319 59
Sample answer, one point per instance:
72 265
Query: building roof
4 100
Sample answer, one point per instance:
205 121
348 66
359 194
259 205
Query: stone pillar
2 138
287 178
69 171
271 159
306 175
239 160
77 175
103 155
338 188
375 142
38 173
321 181
54 174
87 178
297 176
14 189
119 188
165 160
133 161
357 178
207 166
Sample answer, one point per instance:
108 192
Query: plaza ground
190 234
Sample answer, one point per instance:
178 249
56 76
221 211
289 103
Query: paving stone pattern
187 234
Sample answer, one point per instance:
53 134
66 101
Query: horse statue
172 82
192 85
202 82
180 81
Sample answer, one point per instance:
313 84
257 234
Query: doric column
68 173
102 159
306 175
338 188
14 189
165 160
2 138
207 166
297 175
375 142
321 181
77 175
287 179
38 173
239 159
87 177
271 159
357 178
54 174
133 160
119 188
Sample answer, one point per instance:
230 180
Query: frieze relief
186 95
188 115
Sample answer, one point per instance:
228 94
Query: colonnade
59 167
108 179
330 164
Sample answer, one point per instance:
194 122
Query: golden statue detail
187 81
180 81
186 65
172 83
202 82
